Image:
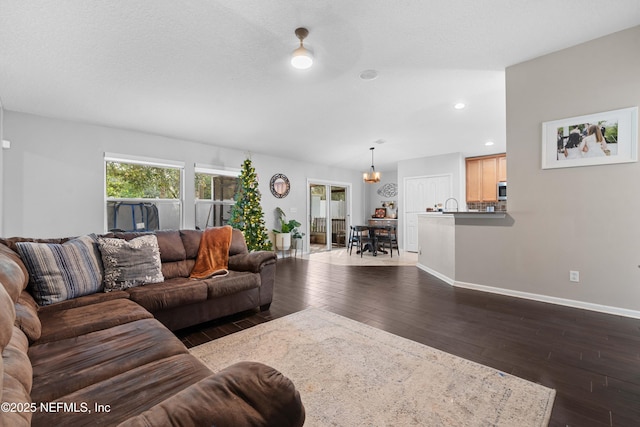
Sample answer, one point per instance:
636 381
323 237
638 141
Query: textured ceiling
218 71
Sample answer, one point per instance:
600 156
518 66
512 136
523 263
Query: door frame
348 201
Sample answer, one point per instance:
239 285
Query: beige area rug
341 257
351 374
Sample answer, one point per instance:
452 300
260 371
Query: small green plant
290 226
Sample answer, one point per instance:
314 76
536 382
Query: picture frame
380 213
609 137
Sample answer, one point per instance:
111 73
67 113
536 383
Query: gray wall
54 174
582 218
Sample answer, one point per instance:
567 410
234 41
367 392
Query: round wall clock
279 185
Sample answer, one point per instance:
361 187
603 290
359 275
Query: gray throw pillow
59 272
130 263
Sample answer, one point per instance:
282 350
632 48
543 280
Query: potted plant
296 235
288 229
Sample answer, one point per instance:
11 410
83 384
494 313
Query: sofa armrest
244 394
252 261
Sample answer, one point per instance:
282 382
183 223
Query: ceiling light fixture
369 75
488 143
372 176
459 106
301 58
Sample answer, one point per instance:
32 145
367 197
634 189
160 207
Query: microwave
502 190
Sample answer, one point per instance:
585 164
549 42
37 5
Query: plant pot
272 239
297 243
283 241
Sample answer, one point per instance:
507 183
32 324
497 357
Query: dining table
374 232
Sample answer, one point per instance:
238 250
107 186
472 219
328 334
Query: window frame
212 170
143 161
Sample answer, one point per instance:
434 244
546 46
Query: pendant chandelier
301 58
372 176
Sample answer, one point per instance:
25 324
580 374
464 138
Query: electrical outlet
574 276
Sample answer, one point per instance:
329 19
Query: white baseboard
435 273
535 297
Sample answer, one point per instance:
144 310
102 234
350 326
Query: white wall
582 218
437 165
374 200
54 183
447 164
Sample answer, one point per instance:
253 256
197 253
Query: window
215 195
143 194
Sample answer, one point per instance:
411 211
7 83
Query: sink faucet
447 201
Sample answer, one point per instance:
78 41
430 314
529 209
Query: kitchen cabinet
483 175
502 168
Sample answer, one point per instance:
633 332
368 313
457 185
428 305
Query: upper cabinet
502 168
483 175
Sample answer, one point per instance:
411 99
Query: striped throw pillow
61 272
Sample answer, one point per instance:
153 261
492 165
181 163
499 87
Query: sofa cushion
16 361
135 391
130 263
58 272
169 294
13 273
27 316
11 242
238 244
230 284
7 317
16 379
82 301
243 394
171 270
62 324
65 366
191 242
170 246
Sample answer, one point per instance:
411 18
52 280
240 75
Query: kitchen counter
437 238
470 214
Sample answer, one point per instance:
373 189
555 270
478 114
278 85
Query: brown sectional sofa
109 359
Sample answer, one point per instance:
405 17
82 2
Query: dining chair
388 237
358 237
394 239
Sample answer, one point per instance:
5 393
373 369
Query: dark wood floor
591 359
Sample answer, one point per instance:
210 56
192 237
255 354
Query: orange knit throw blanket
213 253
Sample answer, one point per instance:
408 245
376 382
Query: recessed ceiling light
459 106
369 75
488 143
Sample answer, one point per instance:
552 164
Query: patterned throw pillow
61 272
130 263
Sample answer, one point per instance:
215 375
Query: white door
419 194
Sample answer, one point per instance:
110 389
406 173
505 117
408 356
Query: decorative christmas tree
246 214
